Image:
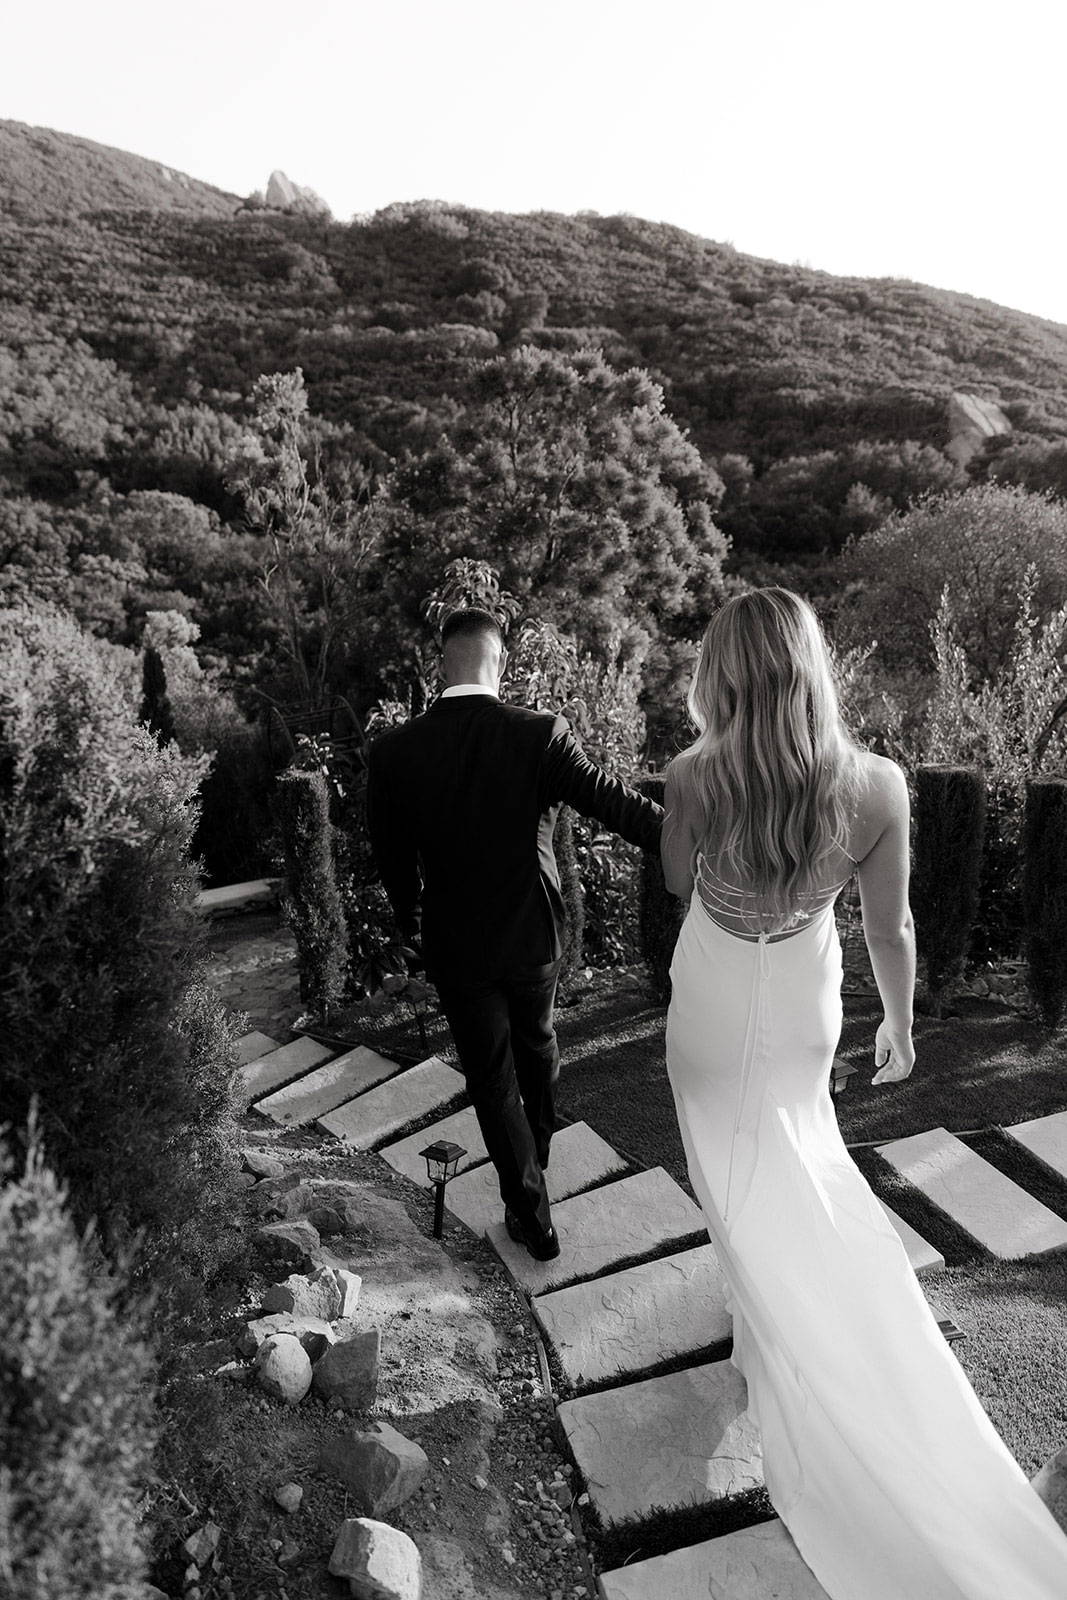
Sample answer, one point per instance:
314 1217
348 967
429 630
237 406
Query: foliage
571 888
313 903
661 913
156 712
1045 895
108 1025
76 1407
949 833
980 544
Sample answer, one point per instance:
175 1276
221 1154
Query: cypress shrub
662 914
950 811
313 902
156 711
570 881
76 1408
1045 895
108 1026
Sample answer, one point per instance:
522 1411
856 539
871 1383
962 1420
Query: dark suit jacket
461 804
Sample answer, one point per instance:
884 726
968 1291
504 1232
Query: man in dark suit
461 804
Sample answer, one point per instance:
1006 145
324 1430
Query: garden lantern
442 1160
840 1073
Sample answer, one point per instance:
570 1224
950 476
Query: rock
286 195
326 1220
1051 1484
288 1496
286 1205
380 1562
283 1368
201 1545
380 1467
150 1592
328 1292
261 1166
349 1372
971 421
314 1333
290 1244
245 1180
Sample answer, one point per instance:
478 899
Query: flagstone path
634 1308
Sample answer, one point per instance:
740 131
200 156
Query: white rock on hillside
283 193
377 1560
283 1368
329 1292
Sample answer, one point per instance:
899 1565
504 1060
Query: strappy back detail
725 904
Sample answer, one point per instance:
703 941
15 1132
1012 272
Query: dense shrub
1045 895
156 712
570 882
949 831
108 1024
76 1408
661 913
313 904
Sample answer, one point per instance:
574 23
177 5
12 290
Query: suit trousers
506 1043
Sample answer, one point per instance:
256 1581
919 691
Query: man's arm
568 776
394 850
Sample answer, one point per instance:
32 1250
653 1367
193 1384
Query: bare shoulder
882 798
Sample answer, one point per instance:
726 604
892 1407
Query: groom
461 806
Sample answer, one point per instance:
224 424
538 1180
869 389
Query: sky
923 139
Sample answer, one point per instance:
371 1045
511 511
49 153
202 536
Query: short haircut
471 622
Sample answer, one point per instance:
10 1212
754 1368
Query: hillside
43 172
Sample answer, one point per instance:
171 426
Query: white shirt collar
457 689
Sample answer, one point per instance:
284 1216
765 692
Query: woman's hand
894 1053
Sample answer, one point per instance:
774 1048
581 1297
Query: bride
877 1454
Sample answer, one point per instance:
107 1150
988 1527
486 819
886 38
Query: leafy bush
1045 895
313 903
76 1408
949 832
108 1024
570 882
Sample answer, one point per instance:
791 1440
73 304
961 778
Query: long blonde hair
772 777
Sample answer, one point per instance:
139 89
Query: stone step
665 1443
238 896
327 1087
579 1157
461 1128
757 1563
634 1319
923 1256
638 1216
978 1198
1045 1138
252 1045
414 1094
280 1066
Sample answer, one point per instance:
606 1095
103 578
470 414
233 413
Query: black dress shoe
541 1243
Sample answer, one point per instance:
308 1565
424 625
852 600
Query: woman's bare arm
678 839
887 922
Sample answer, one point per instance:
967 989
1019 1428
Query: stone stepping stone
623 1221
280 1066
237 896
979 1198
252 1045
669 1442
1045 1138
328 1087
923 1256
460 1128
407 1098
579 1157
634 1319
757 1563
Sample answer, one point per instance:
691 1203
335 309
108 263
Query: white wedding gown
878 1456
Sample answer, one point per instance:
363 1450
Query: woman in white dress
878 1456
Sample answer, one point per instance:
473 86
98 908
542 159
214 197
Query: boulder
289 196
380 1562
285 1205
326 1220
972 420
328 1292
200 1546
380 1467
260 1165
349 1372
1051 1485
287 1244
288 1496
283 1368
314 1333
